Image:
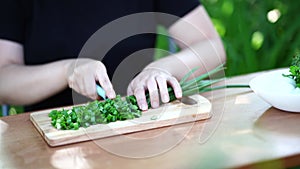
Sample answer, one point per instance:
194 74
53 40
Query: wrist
68 67
157 68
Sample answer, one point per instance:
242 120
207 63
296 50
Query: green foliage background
252 42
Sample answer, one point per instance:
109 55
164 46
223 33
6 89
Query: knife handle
101 92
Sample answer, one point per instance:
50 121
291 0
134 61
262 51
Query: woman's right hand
84 73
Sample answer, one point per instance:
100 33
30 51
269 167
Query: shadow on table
279 122
280 130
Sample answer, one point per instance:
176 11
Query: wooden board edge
38 128
93 136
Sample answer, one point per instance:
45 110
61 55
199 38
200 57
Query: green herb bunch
102 112
295 70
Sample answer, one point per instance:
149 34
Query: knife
100 91
187 100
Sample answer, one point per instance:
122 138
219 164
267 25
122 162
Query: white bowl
277 90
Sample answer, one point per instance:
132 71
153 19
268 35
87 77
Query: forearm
205 55
22 85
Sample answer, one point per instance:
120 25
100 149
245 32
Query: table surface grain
244 132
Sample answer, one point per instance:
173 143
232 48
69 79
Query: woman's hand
83 75
155 81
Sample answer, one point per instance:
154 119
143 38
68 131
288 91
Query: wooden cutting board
167 115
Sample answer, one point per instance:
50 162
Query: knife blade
187 100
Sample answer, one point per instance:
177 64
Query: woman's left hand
155 81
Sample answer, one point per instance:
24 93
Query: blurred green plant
258 35
162 43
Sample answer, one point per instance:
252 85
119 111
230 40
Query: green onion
120 109
95 112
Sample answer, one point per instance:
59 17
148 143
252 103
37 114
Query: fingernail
111 95
179 94
144 107
165 99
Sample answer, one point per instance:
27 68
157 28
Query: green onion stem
223 87
200 78
185 77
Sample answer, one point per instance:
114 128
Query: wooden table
243 132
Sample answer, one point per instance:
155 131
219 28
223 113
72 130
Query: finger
129 90
90 87
163 89
106 84
78 84
153 92
139 93
176 87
